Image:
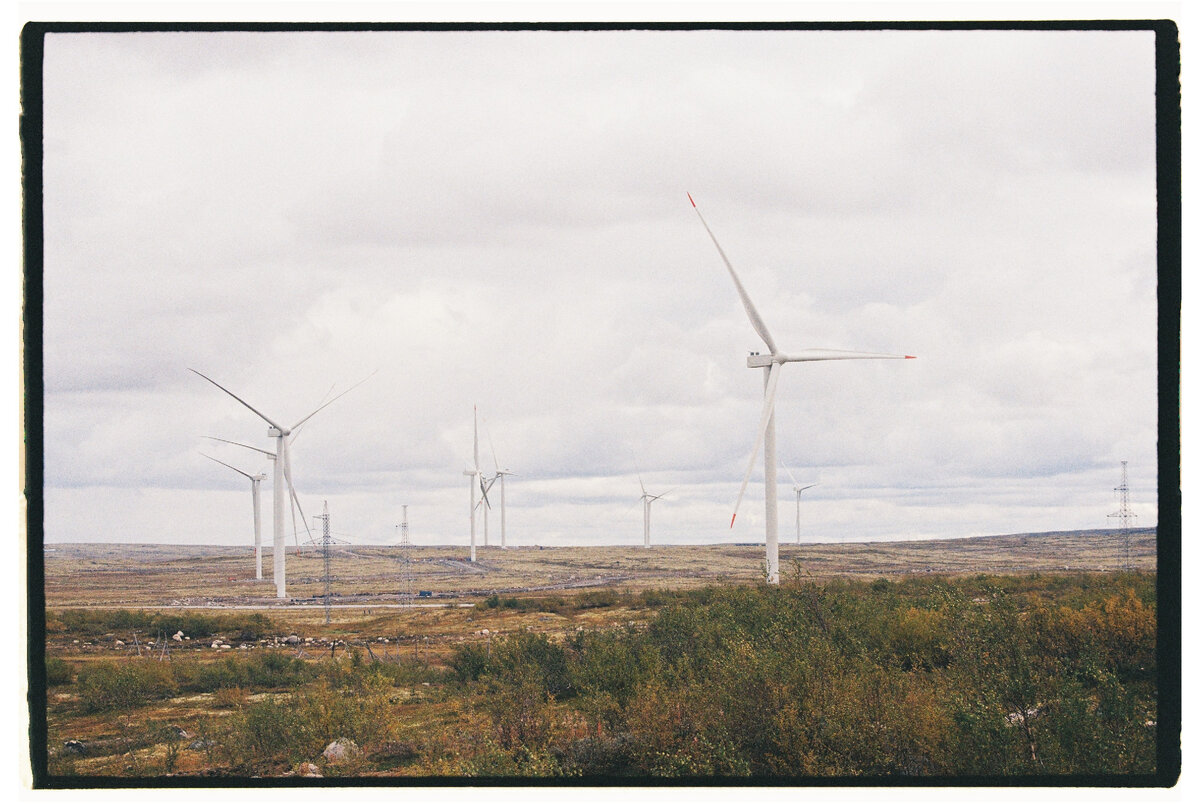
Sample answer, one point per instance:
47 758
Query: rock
226 647
179 732
293 640
75 747
216 645
340 750
200 745
118 644
310 770
178 637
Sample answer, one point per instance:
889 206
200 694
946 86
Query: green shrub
58 672
87 622
469 662
108 685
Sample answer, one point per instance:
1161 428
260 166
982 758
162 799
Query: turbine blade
755 319
296 430
768 409
484 489
335 399
287 475
795 482
238 398
234 468
809 486
810 355
240 444
475 424
640 483
495 460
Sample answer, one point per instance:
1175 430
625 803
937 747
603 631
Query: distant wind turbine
772 363
476 479
283 473
647 499
295 497
796 487
254 481
500 474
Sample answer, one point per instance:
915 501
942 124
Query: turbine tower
283 473
647 499
254 481
500 474
476 480
771 364
796 487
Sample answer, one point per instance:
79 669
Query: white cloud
499 219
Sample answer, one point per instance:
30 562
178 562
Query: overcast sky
500 219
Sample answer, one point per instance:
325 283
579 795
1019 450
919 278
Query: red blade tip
689 195
731 522
910 357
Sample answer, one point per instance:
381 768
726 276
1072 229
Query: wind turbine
647 499
772 363
282 478
295 498
476 480
500 474
796 487
254 481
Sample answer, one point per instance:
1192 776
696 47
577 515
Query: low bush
58 672
109 685
245 627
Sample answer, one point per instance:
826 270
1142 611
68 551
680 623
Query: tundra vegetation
971 676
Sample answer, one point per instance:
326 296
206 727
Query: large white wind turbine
476 480
772 363
283 473
796 487
254 481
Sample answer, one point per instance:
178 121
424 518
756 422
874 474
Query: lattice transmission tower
406 553
324 517
1123 515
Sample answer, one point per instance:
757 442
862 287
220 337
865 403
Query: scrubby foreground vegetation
980 676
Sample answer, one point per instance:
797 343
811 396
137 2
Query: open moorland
170 575
1029 655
